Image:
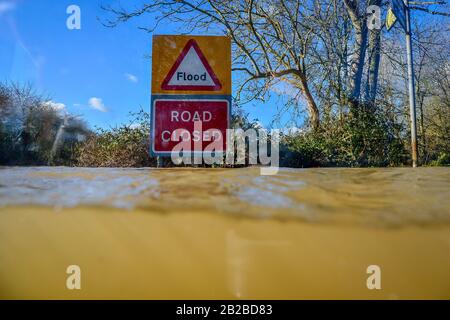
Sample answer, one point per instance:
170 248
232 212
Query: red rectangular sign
199 121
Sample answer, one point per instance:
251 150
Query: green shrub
442 160
361 139
124 146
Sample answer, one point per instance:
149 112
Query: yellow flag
391 19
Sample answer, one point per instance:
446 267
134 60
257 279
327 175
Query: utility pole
411 86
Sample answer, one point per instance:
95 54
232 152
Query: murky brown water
216 233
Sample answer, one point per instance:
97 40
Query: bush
124 146
29 124
442 160
361 139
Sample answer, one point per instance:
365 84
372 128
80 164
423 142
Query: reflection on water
240 259
371 196
217 233
71 187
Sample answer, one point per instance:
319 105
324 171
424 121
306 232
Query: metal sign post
411 86
400 11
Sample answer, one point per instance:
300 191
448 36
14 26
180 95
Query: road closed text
197 121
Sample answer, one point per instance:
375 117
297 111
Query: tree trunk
357 65
359 54
374 61
313 110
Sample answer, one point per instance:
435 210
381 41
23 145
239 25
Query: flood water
224 233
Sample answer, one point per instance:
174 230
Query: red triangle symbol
191 71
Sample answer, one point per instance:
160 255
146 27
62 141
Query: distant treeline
34 131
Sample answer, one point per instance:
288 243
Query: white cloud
131 77
55 105
293 130
258 125
135 126
284 89
6 6
97 104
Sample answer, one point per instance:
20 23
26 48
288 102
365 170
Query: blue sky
97 72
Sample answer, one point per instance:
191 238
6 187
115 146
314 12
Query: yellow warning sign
391 19
199 65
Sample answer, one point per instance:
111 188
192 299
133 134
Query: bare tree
367 46
271 39
432 75
357 12
322 48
